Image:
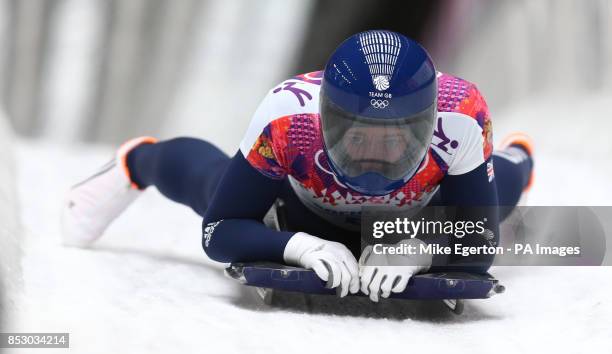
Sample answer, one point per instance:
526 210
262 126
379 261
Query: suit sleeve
474 195
470 186
233 229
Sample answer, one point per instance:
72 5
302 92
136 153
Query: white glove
381 274
332 261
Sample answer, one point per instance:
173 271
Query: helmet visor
393 148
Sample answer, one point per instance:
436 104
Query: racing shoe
94 203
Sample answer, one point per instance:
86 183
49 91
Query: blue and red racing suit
282 156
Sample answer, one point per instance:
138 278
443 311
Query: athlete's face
375 147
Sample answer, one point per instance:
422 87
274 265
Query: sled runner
452 288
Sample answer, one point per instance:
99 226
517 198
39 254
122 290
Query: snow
147 287
10 248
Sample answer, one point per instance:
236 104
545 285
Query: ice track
147 287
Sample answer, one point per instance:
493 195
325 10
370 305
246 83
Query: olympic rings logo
379 104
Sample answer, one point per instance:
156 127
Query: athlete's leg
186 170
513 170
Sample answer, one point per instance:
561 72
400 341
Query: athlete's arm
232 227
475 195
233 230
463 140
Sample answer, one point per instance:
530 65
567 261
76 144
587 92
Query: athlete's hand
381 274
332 261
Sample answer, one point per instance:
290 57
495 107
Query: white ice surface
147 287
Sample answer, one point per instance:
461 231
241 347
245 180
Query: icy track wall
520 51
544 68
10 251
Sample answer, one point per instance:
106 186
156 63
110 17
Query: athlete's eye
356 139
391 142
